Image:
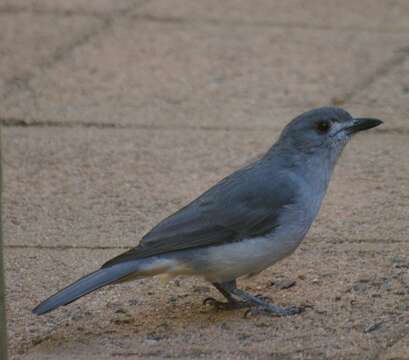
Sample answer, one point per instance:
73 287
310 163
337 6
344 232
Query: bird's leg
229 290
231 303
261 306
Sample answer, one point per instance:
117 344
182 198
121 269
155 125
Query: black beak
360 124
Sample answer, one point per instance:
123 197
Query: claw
293 310
210 301
263 297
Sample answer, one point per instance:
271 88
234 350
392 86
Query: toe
293 310
264 298
274 311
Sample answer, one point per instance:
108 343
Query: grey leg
225 293
229 290
263 306
231 303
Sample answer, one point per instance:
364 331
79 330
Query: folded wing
244 204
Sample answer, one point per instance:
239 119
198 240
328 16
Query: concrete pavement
117 113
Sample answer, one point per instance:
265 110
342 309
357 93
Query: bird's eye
323 126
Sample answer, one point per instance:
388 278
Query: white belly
228 262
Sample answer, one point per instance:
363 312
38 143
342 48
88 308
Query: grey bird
242 225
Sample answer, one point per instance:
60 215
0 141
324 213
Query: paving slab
174 74
100 188
358 15
358 293
97 6
23 47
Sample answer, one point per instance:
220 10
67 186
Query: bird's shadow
155 322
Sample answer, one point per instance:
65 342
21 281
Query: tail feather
87 284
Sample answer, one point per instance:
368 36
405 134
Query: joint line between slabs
66 247
21 123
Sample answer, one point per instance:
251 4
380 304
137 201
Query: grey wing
243 204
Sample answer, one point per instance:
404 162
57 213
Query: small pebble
283 284
373 327
360 287
134 302
201 289
121 311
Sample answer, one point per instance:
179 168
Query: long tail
87 284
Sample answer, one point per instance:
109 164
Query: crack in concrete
21 80
384 69
105 23
395 131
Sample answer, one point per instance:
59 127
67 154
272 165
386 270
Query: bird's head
324 131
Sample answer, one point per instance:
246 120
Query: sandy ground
116 113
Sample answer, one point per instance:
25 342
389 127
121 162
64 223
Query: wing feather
244 204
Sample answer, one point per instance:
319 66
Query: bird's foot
263 298
225 305
273 310
260 305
